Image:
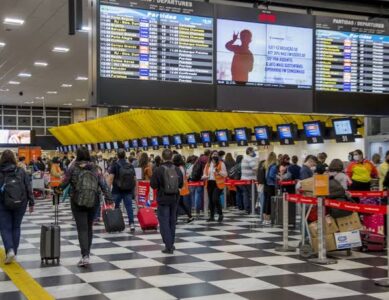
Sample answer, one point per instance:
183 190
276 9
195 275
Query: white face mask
356 157
313 169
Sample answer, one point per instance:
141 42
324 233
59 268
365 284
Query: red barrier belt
196 183
361 208
368 194
302 199
238 182
286 183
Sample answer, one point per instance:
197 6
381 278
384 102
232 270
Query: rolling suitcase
50 242
113 219
276 215
372 241
147 219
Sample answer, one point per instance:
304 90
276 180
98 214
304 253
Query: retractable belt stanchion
385 281
206 201
322 255
253 197
303 208
285 225
225 197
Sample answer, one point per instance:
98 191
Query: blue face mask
253 154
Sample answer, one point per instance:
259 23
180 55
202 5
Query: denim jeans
10 222
239 197
197 194
246 192
127 199
167 223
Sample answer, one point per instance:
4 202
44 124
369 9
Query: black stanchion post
285 224
252 197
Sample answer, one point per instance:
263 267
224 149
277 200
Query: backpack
126 177
197 172
13 190
337 192
170 181
261 173
86 188
235 172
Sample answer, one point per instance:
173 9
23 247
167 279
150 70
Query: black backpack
13 189
197 172
235 172
261 173
125 179
386 181
170 180
86 188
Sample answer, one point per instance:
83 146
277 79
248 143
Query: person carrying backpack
123 181
167 180
85 181
15 194
383 172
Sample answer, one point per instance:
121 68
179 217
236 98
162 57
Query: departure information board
352 55
153 45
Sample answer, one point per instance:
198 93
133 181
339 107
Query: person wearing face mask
309 167
249 168
361 171
215 173
383 170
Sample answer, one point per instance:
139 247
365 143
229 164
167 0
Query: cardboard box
330 227
347 240
349 223
330 243
307 185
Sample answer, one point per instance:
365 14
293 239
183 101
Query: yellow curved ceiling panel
146 123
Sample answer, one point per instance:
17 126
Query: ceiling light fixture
29 102
2 44
81 100
85 29
52 92
40 64
13 82
68 104
13 21
39 98
81 78
4 90
26 75
61 49
66 85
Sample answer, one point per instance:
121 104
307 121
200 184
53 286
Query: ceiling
45 26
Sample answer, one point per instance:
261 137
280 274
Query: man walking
249 170
123 180
167 180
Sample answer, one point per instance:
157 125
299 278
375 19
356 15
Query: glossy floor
234 260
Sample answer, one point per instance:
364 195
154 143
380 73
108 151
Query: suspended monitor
177 140
155 54
344 129
191 139
222 137
314 132
108 146
286 134
15 137
166 141
145 143
90 147
135 143
126 145
242 136
115 145
102 146
155 142
262 135
206 138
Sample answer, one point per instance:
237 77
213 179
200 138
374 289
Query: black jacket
6 168
156 182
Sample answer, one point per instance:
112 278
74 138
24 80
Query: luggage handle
56 197
106 206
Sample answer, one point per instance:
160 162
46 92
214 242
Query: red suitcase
147 219
372 241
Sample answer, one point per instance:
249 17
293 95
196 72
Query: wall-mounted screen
285 134
206 137
177 140
191 138
166 141
221 135
16 137
108 146
261 133
145 142
154 142
314 132
126 145
102 146
89 147
264 54
240 134
135 144
343 127
115 145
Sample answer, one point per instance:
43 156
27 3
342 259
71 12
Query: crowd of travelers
212 168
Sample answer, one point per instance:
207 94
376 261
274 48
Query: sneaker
132 227
211 220
81 263
220 219
190 220
86 261
167 251
10 257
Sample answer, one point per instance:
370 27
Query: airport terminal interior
194 149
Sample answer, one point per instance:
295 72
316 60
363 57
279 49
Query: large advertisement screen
15 137
263 54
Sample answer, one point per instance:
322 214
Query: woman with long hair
215 174
146 166
270 185
13 202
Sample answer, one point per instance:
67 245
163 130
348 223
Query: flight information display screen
352 55
153 45
264 54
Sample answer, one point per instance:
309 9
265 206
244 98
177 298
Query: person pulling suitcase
85 181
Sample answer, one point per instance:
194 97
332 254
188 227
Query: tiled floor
234 260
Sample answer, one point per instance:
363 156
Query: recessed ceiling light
81 78
84 29
40 64
39 98
52 92
66 85
81 100
24 75
4 90
68 104
13 21
13 82
29 102
61 49
2 44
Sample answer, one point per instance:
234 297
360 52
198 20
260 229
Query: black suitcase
113 219
50 246
277 213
